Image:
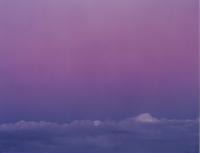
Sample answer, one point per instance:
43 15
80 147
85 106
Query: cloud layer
141 134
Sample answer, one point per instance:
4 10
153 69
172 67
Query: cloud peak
146 117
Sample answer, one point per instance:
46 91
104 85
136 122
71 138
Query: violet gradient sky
98 59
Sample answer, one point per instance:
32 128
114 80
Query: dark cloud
142 134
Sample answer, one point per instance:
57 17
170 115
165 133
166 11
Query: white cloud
129 135
146 117
97 123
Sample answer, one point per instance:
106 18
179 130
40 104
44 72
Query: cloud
146 117
141 134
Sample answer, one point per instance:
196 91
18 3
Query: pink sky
101 58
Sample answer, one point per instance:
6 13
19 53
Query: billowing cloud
140 134
146 117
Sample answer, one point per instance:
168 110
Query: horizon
99 76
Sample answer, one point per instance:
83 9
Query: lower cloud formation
141 134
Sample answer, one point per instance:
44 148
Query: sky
66 60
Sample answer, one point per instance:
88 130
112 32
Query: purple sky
98 59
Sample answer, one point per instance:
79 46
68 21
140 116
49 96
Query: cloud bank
141 134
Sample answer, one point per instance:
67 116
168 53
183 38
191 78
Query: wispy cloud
141 134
